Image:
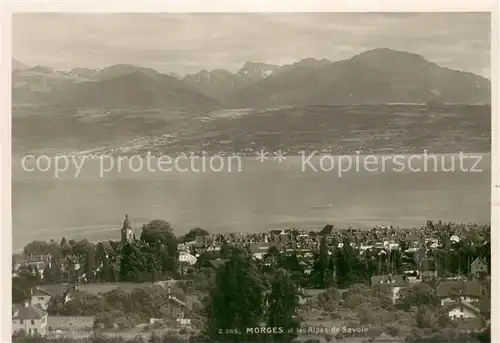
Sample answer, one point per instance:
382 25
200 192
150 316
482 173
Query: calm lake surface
259 197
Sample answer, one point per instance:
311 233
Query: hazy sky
186 43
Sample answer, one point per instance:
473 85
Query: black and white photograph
251 177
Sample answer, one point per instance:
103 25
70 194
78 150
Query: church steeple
127 234
126 223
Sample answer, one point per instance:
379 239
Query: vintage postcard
196 172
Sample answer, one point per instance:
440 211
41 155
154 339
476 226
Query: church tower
127 234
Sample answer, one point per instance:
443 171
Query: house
258 250
455 239
393 246
30 318
187 257
411 275
479 267
173 307
186 246
465 291
434 245
463 310
40 297
428 269
214 247
466 317
431 240
394 283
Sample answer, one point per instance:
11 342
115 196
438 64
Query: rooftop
471 288
27 312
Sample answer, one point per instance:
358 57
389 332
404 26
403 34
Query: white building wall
458 313
31 326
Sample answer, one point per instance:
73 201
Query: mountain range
372 77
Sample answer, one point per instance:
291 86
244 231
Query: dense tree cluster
339 263
193 234
117 308
244 300
244 295
150 258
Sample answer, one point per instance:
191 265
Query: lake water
259 197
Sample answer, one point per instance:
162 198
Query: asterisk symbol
279 155
262 155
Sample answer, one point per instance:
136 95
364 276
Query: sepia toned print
258 177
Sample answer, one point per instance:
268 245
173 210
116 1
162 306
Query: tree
133 263
291 264
90 263
206 256
420 294
52 273
19 295
84 304
81 248
155 264
425 317
329 299
167 260
193 233
322 273
283 302
157 232
235 302
117 299
36 248
485 305
159 235
154 338
485 335
273 255
22 285
65 247
356 295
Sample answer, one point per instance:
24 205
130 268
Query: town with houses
452 259
95 94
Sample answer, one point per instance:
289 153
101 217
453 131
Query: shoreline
17 157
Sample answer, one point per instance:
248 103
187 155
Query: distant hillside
136 90
118 70
375 76
220 83
384 129
216 84
119 86
87 73
41 85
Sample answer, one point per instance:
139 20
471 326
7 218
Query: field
74 326
382 129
